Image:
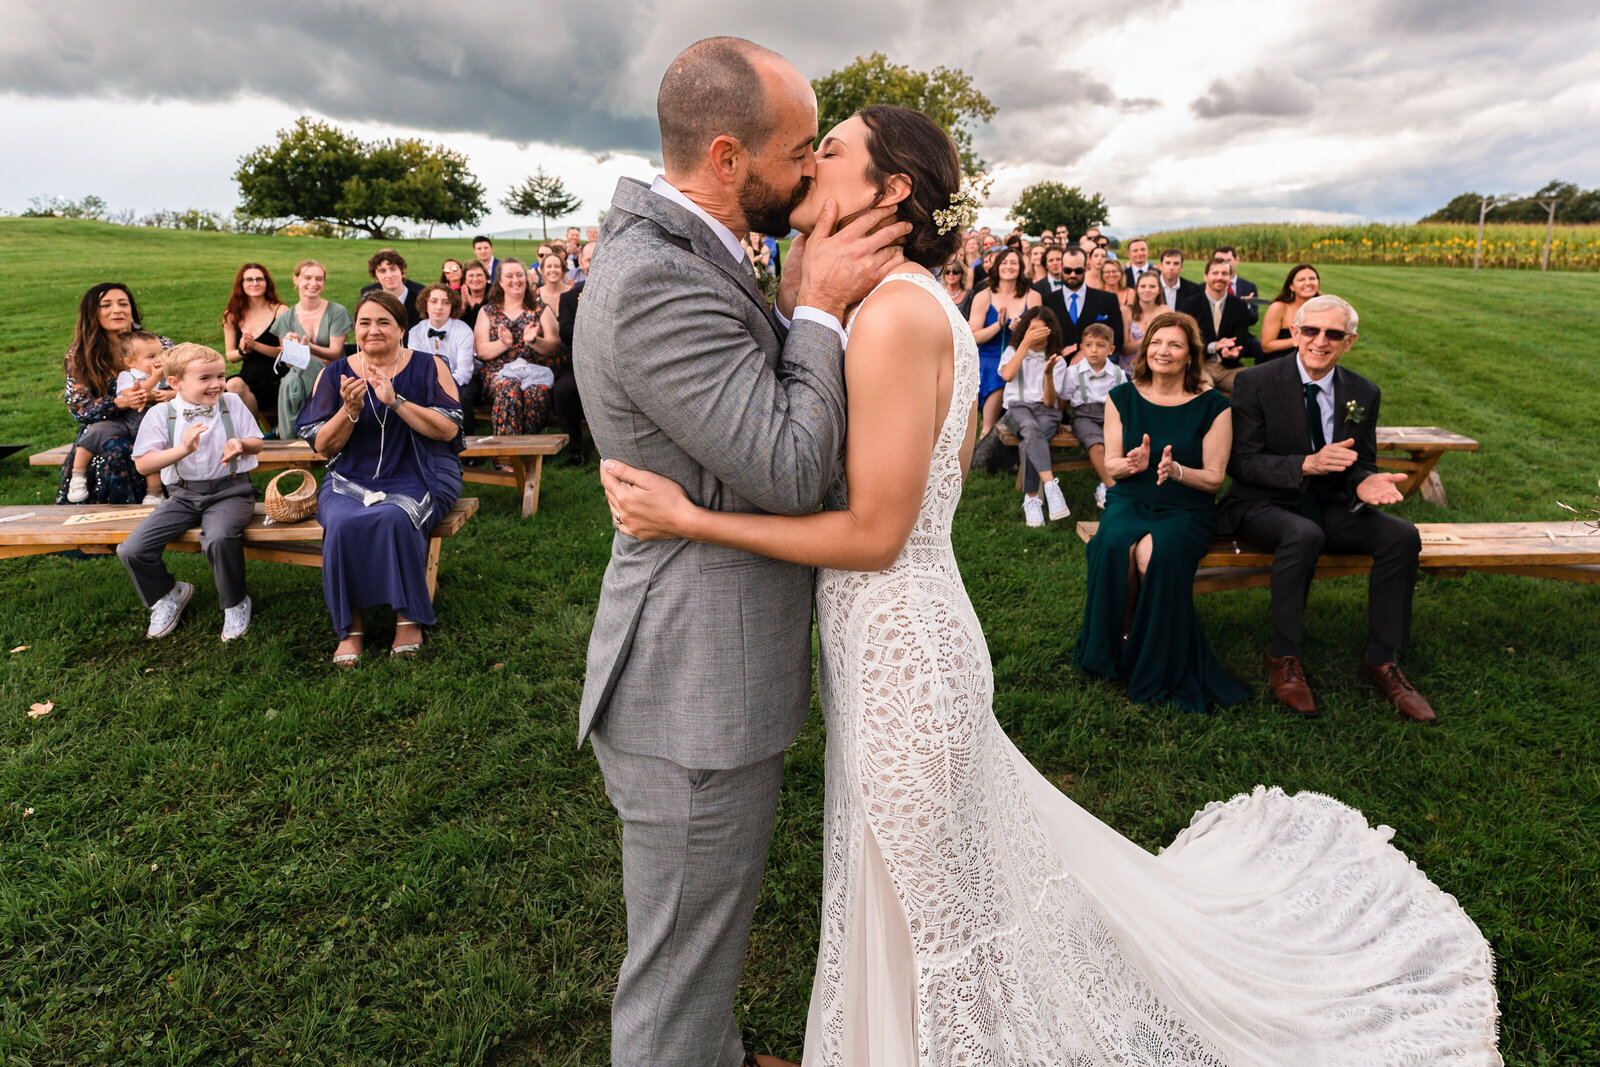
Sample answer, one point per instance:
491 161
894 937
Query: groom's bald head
721 86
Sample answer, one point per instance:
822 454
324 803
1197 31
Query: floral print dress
517 409
112 476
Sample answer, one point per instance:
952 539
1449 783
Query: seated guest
552 280
1075 305
1097 262
442 334
571 248
995 311
1240 288
106 313
580 274
250 341
1144 305
1035 373
140 385
388 270
388 419
450 273
1167 442
1138 261
972 256
1305 482
1302 283
592 234
1036 271
202 445
1224 325
321 326
1114 282
483 253
517 333
1088 382
1175 288
474 290
956 277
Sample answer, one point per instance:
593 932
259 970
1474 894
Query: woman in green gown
1139 621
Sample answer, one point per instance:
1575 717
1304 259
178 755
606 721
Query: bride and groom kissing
971 913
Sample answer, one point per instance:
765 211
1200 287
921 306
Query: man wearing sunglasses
1063 291
1306 481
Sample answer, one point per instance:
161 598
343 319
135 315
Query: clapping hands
231 450
354 392
1138 459
1168 467
1381 489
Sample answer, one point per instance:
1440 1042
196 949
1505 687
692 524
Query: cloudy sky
1181 112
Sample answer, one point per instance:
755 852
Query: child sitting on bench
139 384
1089 381
1033 371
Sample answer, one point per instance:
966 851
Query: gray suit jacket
701 654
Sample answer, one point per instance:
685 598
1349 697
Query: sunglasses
1072 270
1311 333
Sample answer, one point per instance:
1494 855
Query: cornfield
1514 246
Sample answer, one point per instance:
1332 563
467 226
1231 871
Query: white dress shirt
1028 386
1082 293
1085 385
661 187
204 464
1169 293
1324 396
456 347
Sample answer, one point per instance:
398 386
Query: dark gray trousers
222 509
694 843
1036 424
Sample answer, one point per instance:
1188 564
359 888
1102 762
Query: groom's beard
766 210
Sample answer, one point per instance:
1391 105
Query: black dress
261 373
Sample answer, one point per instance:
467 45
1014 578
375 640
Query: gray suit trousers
222 509
694 843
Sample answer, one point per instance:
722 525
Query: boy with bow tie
204 442
442 334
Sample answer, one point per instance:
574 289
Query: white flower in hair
962 212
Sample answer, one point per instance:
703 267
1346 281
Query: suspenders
227 426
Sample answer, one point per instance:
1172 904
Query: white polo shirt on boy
204 464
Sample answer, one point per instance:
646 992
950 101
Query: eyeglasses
1072 270
1311 333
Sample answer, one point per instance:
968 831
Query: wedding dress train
974 915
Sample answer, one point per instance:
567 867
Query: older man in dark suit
1305 481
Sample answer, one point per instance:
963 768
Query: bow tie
436 333
190 413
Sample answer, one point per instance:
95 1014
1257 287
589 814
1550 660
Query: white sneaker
1058 503
168 610
1100 494
78 488
1033 510
236 620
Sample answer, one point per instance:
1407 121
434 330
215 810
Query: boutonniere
767 282
1354 412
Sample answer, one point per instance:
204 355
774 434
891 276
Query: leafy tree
1050 204
59 207
943 94
1577 206
319 173
544 195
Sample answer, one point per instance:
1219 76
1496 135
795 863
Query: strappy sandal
348 659
402 651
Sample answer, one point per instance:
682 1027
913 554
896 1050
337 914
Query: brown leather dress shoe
1398 691
1288 680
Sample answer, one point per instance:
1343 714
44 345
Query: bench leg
530 485
1433 490
433 565
1423 472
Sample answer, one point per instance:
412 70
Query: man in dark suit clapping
1224 325
1306 481
1075 304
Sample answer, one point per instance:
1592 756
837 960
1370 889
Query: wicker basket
296 506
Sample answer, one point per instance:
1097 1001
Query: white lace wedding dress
974 915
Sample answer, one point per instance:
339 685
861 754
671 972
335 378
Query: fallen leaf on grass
20 648
36 710
497 666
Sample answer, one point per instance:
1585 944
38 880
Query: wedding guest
1167 439
388 270
106 313
1305 482
1036 271
202 446
957 280
450 273
474 290
1088 382
1138 261
483 253
571 248
388 419
1174 287
1114 282
1097 263
972 255
1302 283
995 311
1145 305
1238 287
250 341
592 234
139 385
1076 305
1035 376
442 334
553 280
1224 322
755 246
320 325
516 325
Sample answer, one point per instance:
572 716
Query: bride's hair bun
903 141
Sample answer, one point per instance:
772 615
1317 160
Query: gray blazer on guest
701 654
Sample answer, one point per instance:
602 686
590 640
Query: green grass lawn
243 855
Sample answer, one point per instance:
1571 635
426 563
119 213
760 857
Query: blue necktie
1072 308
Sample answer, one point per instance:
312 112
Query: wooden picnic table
1566 551
47 529
1423 445
523 453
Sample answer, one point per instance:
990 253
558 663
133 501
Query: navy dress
1166 659
383 494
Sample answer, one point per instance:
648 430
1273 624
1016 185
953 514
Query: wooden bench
1565 551
46 529
523 453
1423 445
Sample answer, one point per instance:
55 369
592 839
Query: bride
971 913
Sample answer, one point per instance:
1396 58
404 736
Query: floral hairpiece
962 212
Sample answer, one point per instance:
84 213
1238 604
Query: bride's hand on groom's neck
838 269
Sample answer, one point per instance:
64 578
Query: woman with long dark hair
1302 283
105 313
253 305
995 311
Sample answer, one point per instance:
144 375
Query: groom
699 670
